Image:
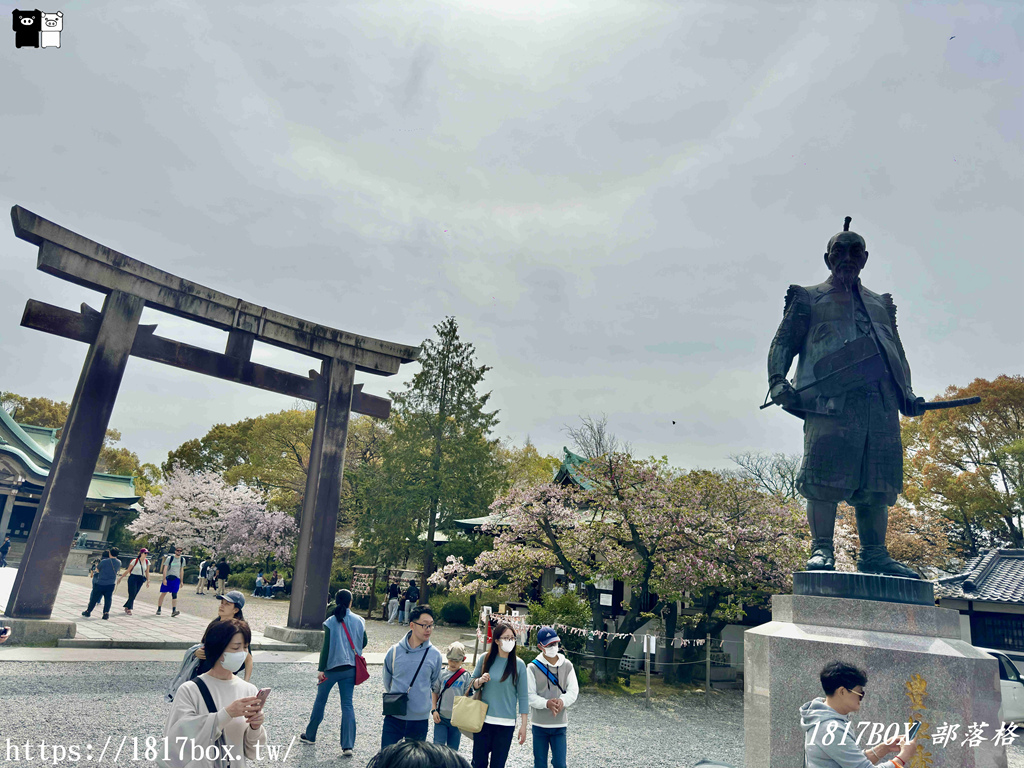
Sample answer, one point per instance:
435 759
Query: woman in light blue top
502 675
344 638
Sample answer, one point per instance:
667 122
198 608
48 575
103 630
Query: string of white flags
663 642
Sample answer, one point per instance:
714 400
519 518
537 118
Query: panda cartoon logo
27 26
53 23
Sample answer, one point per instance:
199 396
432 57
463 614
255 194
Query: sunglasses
859 693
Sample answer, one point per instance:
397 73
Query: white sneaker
346 753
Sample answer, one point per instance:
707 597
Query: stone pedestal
42 632
915 661
311 638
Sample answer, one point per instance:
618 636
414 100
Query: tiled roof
995 576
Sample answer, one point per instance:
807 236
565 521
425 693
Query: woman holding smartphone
236 713
502 676
230 607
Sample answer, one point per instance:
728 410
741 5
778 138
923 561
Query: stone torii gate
114 334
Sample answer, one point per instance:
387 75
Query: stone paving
142 629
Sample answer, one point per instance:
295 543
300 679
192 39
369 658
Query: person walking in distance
201 581
173 566
393 602
412 666
223 571
503 677
344 639
138 574
4 549
450 684
103 582
552 687
412 596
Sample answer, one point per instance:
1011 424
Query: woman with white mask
502 676
216 720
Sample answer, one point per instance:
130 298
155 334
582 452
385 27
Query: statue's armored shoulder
797 297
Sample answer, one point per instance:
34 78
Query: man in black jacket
4 549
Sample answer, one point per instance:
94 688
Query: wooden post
63 498
319 522
647 668
707 670
373 595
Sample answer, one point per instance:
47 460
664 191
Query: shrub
455 612
568 610
244 580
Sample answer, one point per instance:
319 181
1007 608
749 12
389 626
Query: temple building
26 455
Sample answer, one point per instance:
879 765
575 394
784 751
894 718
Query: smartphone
5 631
262 695
913 730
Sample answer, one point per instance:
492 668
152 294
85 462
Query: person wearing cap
138 574
450 684
552 688
229 607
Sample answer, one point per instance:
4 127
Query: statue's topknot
846 224
846 228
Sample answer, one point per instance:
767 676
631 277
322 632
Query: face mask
551 650
233 661
508 645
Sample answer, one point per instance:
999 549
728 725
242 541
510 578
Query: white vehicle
1011 685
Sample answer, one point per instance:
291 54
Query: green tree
441 454
967 464
523 467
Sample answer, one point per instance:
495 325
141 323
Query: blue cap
547 636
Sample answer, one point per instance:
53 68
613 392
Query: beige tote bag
468 713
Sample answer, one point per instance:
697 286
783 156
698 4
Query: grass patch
637 688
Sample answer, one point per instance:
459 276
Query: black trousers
106 592
493 741
134 585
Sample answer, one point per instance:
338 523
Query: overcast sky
610 197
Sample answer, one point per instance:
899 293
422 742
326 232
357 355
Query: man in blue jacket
413 666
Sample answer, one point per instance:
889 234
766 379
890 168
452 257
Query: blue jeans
448 734
396 729
345 678
542 739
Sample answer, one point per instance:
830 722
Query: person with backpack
552 687
103 582
171 581
344 632
216 710
138 574
450 684
411 667
393 602
503 677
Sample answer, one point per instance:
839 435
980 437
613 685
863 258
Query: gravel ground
260 612
42 702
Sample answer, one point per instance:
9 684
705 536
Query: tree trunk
670 673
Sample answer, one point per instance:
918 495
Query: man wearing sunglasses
825 720
413 665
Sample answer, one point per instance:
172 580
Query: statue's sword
939 405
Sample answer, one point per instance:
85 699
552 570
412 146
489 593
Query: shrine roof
995 576
24 445
569 471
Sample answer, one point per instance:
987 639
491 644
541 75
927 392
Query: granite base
915 661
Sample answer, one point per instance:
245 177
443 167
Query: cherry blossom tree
659 530
200 511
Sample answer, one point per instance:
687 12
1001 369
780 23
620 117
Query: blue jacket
339 650
398 677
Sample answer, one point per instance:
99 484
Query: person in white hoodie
844 686
552 688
